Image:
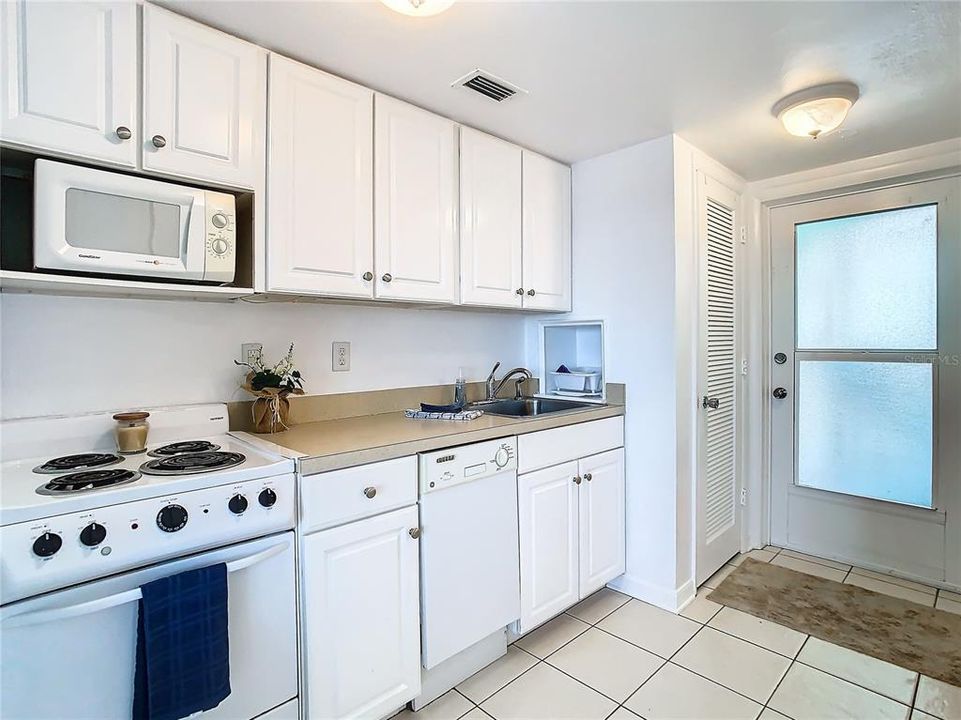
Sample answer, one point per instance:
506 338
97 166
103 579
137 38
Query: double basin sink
531 407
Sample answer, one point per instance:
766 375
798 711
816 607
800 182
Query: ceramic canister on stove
132 429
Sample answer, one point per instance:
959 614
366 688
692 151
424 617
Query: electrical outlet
743 496
249 352
340 361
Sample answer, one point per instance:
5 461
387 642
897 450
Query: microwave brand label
88 257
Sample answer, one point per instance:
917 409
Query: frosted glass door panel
866 428
868 282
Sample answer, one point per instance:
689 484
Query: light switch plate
340 360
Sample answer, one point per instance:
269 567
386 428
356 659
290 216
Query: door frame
888 170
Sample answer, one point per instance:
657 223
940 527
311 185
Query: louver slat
720 502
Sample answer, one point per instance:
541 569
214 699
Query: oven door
70 654
102 222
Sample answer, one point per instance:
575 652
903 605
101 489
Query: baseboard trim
668 598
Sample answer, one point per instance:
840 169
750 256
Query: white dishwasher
470 572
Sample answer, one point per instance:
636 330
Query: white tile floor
614 658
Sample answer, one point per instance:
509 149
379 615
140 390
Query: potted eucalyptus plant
272 385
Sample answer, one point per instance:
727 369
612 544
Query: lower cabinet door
548 518
601 511
361 617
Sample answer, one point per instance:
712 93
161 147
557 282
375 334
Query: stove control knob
237 504
93 535
172 518
47 544
267 497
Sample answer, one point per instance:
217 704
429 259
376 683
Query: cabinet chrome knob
577 479
387 277
519 291
588 477
780 393
368 276
158 141
123 132
531 293
369 492
414 533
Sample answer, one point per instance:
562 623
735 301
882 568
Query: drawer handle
577 479
414 532
369 492
588 477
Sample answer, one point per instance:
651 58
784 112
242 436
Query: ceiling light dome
816 110
418 8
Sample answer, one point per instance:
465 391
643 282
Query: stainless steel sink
531 407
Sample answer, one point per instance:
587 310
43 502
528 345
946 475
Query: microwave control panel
221 237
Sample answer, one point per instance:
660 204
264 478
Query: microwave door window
100 221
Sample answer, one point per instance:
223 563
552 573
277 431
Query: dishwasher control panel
466 463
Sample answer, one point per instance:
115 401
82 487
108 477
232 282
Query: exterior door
602 516
203 101
866 377
70 78
547 234
415 203
361 624
319 183
718 529
490 221
548 513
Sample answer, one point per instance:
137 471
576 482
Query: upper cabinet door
602 513
547 234
320 183
70 78
415 203
203 101
490 221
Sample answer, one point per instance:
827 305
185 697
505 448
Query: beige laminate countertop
335 444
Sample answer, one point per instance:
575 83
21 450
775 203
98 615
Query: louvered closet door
718 531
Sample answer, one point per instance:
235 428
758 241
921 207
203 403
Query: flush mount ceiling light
816 110
418 8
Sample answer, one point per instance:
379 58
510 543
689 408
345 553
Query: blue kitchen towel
183 654
453 408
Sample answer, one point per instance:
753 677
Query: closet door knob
387 277
531 293
368 276
158 141
123 133
370 492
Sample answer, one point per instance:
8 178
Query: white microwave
100 222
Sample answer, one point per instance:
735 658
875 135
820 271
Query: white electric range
82 528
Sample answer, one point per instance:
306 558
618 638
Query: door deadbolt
780 393
780 358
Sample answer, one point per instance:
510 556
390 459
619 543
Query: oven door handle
91 606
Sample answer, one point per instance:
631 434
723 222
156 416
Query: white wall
624 273
66 355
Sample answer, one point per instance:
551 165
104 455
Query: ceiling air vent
488 85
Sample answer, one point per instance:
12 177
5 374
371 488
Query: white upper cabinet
415 204
70 78
204 97
490 221
319 183
547 234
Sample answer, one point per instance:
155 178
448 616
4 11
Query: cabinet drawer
340 496
552 447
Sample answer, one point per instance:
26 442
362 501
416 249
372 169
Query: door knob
387 277
780 393
158 141
368 276
123 133
709 402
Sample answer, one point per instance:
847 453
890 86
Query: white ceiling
606 75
